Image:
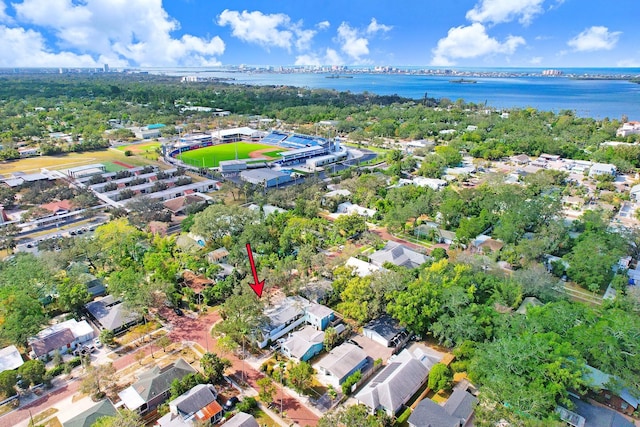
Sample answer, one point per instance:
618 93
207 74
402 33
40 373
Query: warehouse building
266 177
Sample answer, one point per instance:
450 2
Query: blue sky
450 33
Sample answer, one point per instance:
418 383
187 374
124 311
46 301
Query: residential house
10 358
484 243
433 183
340 194
528 302
179 205
432 231
603 169
397 254
59 208
281 318
319 316
456 412
242 419
266 209
386 331
220 255
520 159
349 208
629 128
587 415
342 362
610 390
62 337
635 193
104 408
303 344
394 385
363 268
110 314
197 405
153 387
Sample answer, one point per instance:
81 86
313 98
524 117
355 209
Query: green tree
241 314
301 376
164 342
440 377
267 389
349 225
439 253
8 380
213 367
107 337
98 380
124 418
32 372
189 381
330 338
352 416
72 296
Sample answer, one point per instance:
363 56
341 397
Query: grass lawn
212 156
69 160
264 419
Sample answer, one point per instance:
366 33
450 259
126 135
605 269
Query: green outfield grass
210 157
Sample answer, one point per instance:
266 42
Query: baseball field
209 157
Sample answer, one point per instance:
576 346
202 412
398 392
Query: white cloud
120 32
21 48
3 12
374 27
304 38
536 60
497 11
330 57
354 42
471 42
323 25
629 63
256 27
351 43
594 38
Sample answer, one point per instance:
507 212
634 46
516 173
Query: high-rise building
106 68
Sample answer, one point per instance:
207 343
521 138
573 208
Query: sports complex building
311 151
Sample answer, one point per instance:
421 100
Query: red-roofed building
61 207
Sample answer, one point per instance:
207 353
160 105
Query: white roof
301 341
334 193
237 131
362 268
78 329
131 398
342 359
10 358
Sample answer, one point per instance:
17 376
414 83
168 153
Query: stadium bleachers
274 138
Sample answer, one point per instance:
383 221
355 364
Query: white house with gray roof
109 313
398 254
342 362
389 390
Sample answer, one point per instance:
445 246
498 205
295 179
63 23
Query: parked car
178 311
231 403
97 342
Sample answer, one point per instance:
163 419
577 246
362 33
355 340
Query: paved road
197 330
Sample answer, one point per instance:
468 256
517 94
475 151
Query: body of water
588 98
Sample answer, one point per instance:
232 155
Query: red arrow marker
257 285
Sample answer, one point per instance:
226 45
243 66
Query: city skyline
480 33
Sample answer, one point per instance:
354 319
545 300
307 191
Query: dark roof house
197 404
111 314
87 418
456 411
153 386
386 331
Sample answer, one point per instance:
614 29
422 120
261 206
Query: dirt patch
124 165
258 154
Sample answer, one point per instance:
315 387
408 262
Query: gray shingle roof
385 326
399 255
156 381
242 419
429 414
195 399
395 384
460 404
86 419
342 359
110 313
